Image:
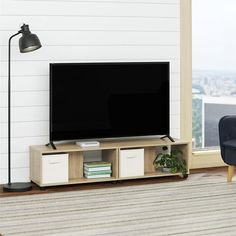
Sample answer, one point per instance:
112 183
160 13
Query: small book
98 172
96 164
97 176
94 169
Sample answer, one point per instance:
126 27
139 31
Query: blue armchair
227 135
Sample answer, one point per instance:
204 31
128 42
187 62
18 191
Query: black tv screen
108 100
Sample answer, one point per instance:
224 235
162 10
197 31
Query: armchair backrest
227 131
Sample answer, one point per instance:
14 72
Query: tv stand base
45 174
52 145
169 137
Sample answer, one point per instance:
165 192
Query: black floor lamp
27 43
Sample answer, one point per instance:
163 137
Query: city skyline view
214 96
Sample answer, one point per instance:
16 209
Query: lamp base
17 187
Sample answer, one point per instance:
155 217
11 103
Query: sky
214 34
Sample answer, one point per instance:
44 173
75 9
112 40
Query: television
108 100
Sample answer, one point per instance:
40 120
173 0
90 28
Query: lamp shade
28 41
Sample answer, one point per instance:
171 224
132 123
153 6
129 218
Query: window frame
204 158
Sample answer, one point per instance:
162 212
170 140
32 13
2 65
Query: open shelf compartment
150 154
77 159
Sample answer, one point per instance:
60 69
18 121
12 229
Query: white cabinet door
131 162
55 168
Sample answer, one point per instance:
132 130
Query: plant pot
166 169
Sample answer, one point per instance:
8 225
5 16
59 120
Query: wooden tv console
110 151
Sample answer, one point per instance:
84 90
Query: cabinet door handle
131 157
57 162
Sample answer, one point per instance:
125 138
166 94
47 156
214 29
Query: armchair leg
230 173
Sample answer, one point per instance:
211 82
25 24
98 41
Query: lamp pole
9 107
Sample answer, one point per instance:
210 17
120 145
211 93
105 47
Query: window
214 68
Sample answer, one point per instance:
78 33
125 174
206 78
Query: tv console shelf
110 152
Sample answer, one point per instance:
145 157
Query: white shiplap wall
74 31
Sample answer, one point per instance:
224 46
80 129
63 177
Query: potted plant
172 162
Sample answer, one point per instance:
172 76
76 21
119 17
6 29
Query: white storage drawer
131 162
55 168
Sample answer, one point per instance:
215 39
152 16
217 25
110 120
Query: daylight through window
214 68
